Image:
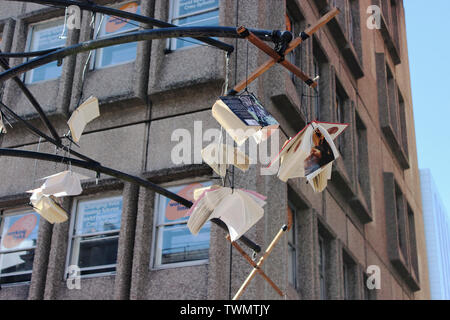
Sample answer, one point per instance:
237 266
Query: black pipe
89 6
163 33
27 54
4 64
43 135
117 174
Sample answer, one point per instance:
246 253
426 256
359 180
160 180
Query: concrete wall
144 101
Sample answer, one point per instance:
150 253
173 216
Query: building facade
130 243
437 229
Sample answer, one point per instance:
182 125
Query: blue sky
428 32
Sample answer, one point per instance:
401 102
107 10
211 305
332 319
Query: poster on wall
99 215
20 231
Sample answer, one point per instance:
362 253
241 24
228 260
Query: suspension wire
83 75
35 163
62 36
232 172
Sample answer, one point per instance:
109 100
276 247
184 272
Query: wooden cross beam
276 58
257 266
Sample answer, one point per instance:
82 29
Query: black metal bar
43 135
89 6
27 54
4 64
163 33
117 174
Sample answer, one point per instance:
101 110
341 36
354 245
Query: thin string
62 36
246 72
83 75
35 162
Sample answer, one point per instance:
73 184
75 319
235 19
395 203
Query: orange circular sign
175 210
19 231
115 23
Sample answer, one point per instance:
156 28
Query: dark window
412 242
339 109
349 273
401 227
322 268
316 95
292 249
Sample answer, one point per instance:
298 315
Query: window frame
293 246
9 213
171 43
156 238
322 267
97 55
72 236
26 78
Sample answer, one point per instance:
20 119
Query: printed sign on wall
20 231
99 215
114 24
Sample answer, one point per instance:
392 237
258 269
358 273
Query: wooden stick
253 263
260 262
295 43
275 56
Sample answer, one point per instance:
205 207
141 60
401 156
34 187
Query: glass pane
192 6
99 215
171 211
20 231
180 245
118 54
17 261
113 25
15 278
99 252
291 266
205 19
46 37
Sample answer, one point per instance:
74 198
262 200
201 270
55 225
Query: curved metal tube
89 6
117 174
163 33
27 54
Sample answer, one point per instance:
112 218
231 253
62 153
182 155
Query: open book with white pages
239 209
310 154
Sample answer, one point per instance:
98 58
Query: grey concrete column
40 263
142 243
57 257
126 242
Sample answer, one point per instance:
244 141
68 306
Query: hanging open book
240 209
243 117
219 156
85 113
310 154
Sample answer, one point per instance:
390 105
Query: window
316 101
401 238
41 37
111 25
95 228
362 159
174 244
350 281
340 118
189 13
19 233
412 242
292 249
322 268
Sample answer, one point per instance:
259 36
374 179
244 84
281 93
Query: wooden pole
294 44
254 265
260 262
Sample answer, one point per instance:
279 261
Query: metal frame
166 31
